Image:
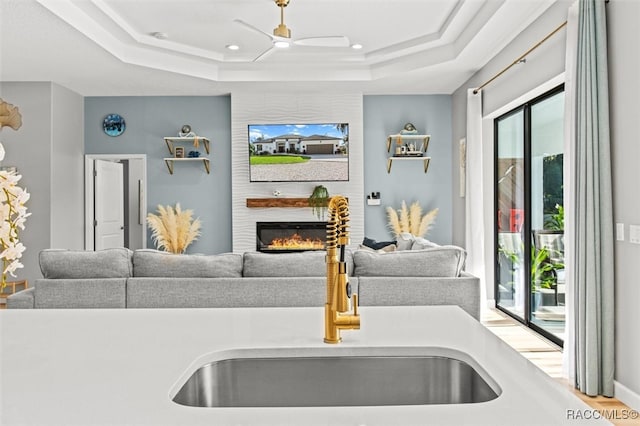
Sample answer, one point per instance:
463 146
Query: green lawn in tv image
299 152
278 159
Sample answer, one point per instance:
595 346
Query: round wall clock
113 125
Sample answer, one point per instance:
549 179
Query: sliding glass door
529 249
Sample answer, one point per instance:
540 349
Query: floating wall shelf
170 160
195 141
277 202
417 153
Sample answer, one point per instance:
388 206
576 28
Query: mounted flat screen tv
298 152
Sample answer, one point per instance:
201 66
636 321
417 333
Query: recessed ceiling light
356 46
281 44
233 47
159 35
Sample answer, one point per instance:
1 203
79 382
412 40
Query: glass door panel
547 215
510 214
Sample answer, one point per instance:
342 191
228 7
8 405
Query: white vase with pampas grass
410 220
173 229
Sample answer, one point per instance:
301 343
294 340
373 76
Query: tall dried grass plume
173 229
410 219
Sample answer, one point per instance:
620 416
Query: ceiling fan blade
264 54
252 28
326 41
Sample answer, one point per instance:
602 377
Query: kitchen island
122 367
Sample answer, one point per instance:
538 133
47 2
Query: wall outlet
619 231
634 234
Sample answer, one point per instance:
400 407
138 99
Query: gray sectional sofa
121 278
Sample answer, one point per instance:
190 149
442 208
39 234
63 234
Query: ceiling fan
281 37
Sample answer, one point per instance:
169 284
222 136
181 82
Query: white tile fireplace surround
277 108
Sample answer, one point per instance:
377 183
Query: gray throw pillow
405 241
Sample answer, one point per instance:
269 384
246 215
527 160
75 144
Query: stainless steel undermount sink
331 381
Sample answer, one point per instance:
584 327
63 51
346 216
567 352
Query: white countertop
121 367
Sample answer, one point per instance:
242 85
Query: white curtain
592 272
474 209
569 353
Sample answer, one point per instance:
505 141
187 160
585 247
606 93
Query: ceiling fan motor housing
282 31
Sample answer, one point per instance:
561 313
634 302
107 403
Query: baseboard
626 395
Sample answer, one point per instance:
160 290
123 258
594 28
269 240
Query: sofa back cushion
154 263
441 261
296 264
80 264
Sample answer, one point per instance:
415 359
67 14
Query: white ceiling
105 47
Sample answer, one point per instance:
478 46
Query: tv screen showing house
298 152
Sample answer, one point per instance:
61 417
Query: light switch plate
634 234
619 231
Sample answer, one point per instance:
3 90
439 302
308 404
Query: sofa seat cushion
78 264
296 264
155 263
441 261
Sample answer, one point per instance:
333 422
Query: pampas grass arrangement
410 220
173 229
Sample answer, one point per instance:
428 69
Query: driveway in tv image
320 167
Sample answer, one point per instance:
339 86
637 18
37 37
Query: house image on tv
298 144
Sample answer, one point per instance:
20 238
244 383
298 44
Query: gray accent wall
385 115
47 150
148 120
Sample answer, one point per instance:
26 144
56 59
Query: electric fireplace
284 237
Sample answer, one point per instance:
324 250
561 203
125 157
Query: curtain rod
520 58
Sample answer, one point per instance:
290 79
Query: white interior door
109 204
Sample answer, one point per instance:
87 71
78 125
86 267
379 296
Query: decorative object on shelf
319 201
13 214
409 129
173 229
9 115
178 152
113 125
410 220
277 193
186 132
193 154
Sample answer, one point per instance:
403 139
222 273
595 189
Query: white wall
624 66
67 169
281 108
51 121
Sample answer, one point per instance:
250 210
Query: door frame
89 213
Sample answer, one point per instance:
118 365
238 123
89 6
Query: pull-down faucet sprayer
336 316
